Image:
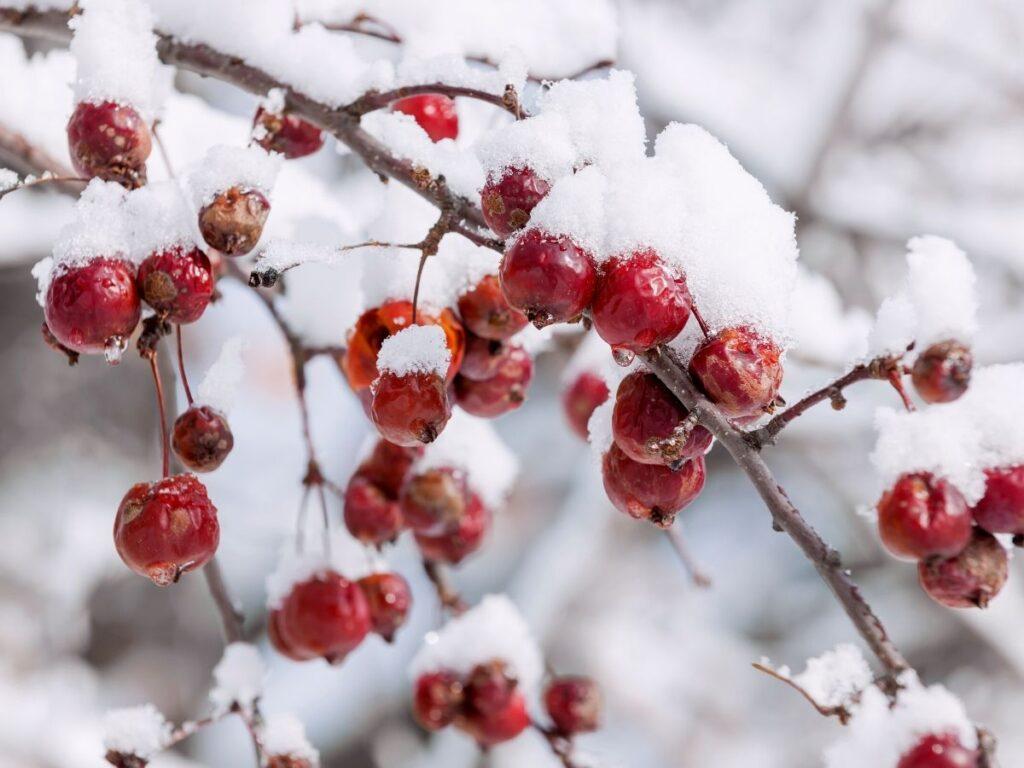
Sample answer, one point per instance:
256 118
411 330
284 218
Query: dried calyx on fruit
177 283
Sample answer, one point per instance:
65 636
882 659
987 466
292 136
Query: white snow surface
219 386
348 558
492 629
238 677
835 678
226 166
284 734
416 349
141 731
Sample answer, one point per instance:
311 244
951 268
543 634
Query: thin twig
841 712
675 536
181 366
48 179
231 618
450 599
374 100
560 744
165 444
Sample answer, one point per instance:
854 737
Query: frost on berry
93 307
433 112
502 392
201 438
323 616
969 579
586 392
109 141
639 303
551 279
437 699
1001 509
288 134
650 491
411 409
651 426
942 372
739 370
923 516
389 599
177 283
166 528
508 197
487 314
939 751
573 704
232 222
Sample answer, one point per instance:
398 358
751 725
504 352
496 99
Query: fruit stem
181 366
678 541
165 443
700 321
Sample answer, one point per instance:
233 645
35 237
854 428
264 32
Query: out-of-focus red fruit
389 599
388 464
280 644
739 370
93 307
1001 509
410 409
436 500
109 141
508 198
639 303
370 515
177 283
454 545
286 133
574 704
325 616
483 357
490 729
650 491
433 112
939 751
581 398
967 580
921 516
551 279
503 392
650 425
166 528
437 700
232 222
490 687
202 438
487 314
942 372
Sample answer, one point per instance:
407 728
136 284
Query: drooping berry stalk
165 441
181 365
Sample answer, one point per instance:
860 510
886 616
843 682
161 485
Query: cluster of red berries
488 704
939 751
327 616
448 519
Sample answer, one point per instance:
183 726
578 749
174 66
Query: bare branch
675 536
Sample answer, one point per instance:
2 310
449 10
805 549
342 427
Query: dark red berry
375 325
410 409
921 516
490 687
202 438
639 303
939 751
436 500
942 372
1001 509
492 728
967 580
483 357
387 466
370 514
325 616
650 491
437 699
166 528
177 283
581 398
508 199
574 704
487 314
456 544
232 222
389 599
109 141
551 279
739 370
286 133
280 644
433 112
503 392
651 426
93 307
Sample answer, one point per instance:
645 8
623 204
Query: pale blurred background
874 121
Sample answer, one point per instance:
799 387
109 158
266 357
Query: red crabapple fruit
389 599
942 372
232 222
437 700
939 751
922 516
581 398
166 528
486 312
410 409
639 303
969 579
326 616
202 438
387 466
288 134
551 279
573 704
650 425
109 141
503 392
454 545
650 491
483 358
739 370
370 514
433 112
436 500
280 644
492 728
93 307
507 199
1001 509
490 687
177 283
